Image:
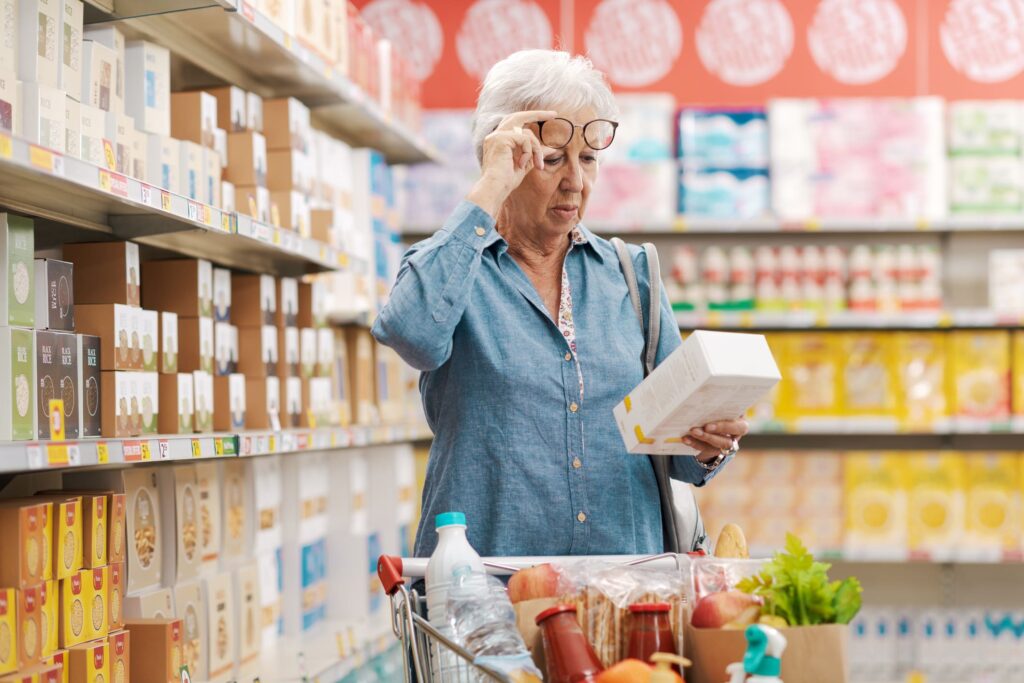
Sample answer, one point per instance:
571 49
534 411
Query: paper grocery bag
526 615
814 654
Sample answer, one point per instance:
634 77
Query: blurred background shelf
849 320
97 11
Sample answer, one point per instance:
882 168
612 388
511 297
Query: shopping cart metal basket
424 646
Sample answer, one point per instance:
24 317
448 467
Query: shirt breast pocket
458 274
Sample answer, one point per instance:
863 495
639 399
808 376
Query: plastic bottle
452 554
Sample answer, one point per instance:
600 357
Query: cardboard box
116 541
361 366
290 210
248 618
111 37
10 107
287 171
212 174
340 394
65 534
39 25
149 400
236 513
253 112
202 390
227 197
120 132
220 144
147 87
286 124
163 162
115 399
263 402
316 401
55 304
288 346
60 658
155 604
229 403
49 630
75 609
307 352
179 497
222 295
712 376
321 225
191 171
98 606
31 635
57 379
156 646
253 201
105 272
112 323
230 108
292 415
267 485
149 338
42 115
115 595
253 300
222 338
140 156
182 286
119 647
324 352
90 662
176 390
194 117
257 351
17 295
92 131
221 624
196 344
72 126
9 625
89 514
135 338
208 484
168 323
89 385
287 302
18 413
69 46
247 159
312 304
190 604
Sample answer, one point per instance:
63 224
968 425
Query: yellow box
90 663
120 653
993 524
813 378
116 540
979 381
8 631
98 605
94 507
31 636
1018 372
65 526
115 596
935 504
875 505
60 657
869 376
75 593
920 359
49 598
26 557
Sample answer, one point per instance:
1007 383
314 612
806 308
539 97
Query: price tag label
218 446
40 158
132 451
272 444
165 201
225 221
248 12
113 183
147 194
74 455
197 448
343 259
6 147
207 215
108 154
146 453
56 455
34 455
922 224
679 224
193 211
288 40
275 237
102 453
165 449
275 215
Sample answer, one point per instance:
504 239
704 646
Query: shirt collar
580 236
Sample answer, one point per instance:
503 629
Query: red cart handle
389 570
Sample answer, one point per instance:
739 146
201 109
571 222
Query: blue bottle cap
450 519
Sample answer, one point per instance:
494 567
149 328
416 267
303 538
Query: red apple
536 582
730 609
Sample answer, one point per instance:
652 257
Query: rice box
222 628
176 390
196 344
208 485
72 128
236 512
113 324
90 662
222 336
289 351
182 286
55 303
115 395
9 649
49 629
119 648
149 333
163 162
106 272
75 609
98 605
149 401
712 376
248 618
257 351
31 634
190 606
10 109
116 541
57 379
202 388
89 381
168 343
18 371
17 295
66 533
229 403
92 125
115 595
263 403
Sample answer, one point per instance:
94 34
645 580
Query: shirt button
568 356
573 407
582 517
577 463
480 232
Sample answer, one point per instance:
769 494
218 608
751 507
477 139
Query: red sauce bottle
569 657
651 631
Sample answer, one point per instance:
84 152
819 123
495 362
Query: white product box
140 156
237 510
9 37
324 351
99 73
272 622
69 43
39 28
220 145
208 485
349 552
155 604
147 87
281 13
221 294
307 351
120 134
212 173
163 161
712 376
248 612
191 170
392 495
306 479
10 107
190 607
72 127
42 118
222 348
267 484
227 196
203 390
230 108
111 37
219 595
1006 280
253 112
179 498
168 342
94 130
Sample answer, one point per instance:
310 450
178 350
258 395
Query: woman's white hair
539 79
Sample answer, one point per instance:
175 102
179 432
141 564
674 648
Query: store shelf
30 456
334 650
77 200
245 48
847 320
697 225
97 11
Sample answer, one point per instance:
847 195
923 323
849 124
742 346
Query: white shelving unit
848 320
698 225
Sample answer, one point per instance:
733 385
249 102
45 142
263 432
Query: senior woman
521 322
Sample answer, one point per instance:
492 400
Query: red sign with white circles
857 41
635 42
745 42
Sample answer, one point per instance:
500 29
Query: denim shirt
536 468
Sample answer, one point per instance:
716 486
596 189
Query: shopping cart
423 646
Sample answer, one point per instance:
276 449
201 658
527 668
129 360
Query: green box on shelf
17 295
17 371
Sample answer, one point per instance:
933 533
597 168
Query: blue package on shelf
314 583
724 138
724 193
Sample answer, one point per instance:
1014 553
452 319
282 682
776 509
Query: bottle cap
450 519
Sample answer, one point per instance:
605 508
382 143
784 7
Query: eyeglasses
597 134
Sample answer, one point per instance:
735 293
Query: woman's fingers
705 440
521 118
732 428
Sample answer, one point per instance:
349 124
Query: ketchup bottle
651 631
569 656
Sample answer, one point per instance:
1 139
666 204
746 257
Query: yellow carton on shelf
712 376
65 524
766 414
8 631
979 381
869 379
98 614
936 504
920 359
49 599
993 524
813 383
875 505
1017 366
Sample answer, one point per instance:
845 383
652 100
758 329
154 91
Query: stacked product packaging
986 157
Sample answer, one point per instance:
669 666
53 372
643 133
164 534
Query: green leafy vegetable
797 589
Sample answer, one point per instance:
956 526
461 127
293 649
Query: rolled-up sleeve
433 287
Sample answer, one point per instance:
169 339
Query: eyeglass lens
598 134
